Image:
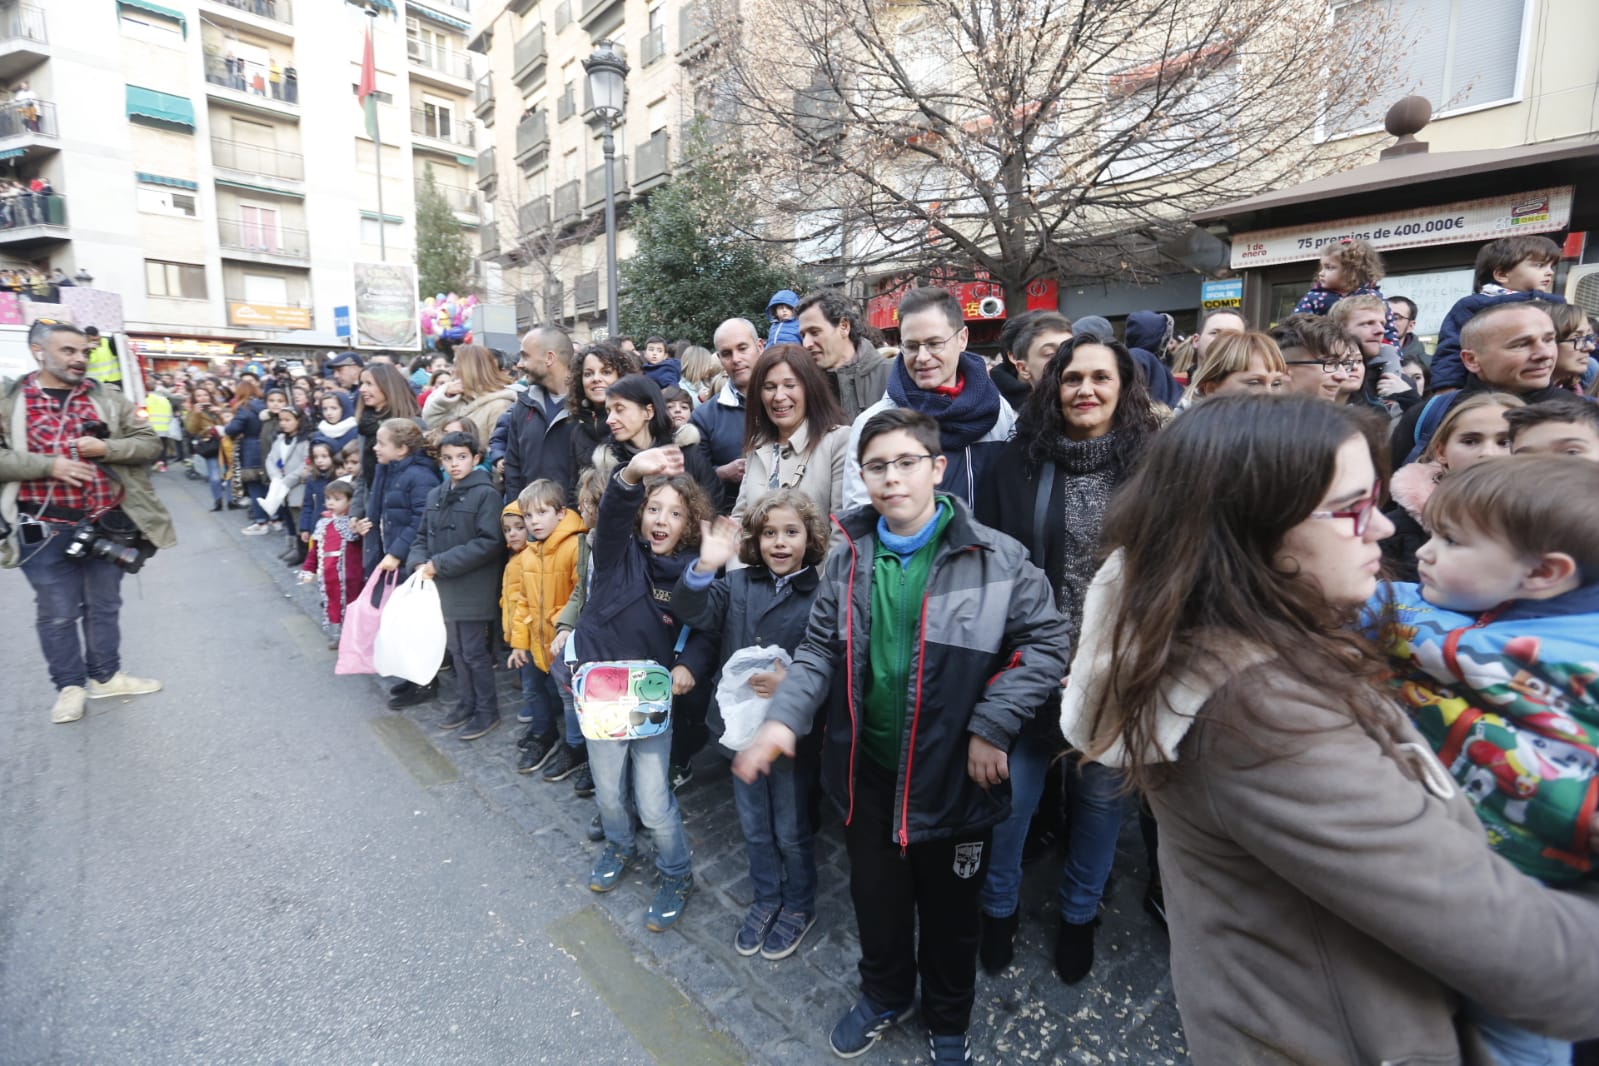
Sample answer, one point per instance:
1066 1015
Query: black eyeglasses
877 469
1361 512
1330 366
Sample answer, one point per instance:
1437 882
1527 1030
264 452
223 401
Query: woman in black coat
594 370
637 420
1079 433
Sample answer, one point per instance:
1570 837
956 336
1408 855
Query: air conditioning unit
1582 288
413 48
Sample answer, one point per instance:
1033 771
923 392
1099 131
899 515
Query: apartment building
210 162
541 166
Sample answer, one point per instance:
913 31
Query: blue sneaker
949 1048
787 932
859 1029
667 906
610 866
752 934
524 715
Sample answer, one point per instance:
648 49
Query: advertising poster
385 306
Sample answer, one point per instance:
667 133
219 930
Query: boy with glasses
1323 361
931 641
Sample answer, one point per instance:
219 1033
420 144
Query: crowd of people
1322 606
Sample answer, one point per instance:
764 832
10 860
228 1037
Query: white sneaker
254 529
120 684
69 705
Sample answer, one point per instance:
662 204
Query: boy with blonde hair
546 575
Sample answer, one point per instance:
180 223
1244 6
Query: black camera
96 428
88 543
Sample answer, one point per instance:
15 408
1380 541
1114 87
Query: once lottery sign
1541 211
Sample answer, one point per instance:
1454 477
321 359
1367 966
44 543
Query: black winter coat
747 610
628 613
537 446
245 429
398 499
460 534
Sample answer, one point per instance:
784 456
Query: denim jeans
1095 822
67 592
256 491
213 474
542 697
774 815
1515 1046
610 762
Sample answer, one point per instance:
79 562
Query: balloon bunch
445 317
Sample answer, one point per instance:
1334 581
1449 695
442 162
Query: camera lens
125 557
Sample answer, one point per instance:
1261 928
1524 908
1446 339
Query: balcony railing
566 106
488 238
532 136
566 201
586 291
563 15
694 28
436 57
597 11
276 10
19 210
483 93
529 53
23 22
459 197
263 239
441 127
652 161
486 174
245 76
236 155
534 216
28 117
653 46
594 185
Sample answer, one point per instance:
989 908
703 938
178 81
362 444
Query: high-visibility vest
159 409
103 364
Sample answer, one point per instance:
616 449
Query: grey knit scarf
1091 472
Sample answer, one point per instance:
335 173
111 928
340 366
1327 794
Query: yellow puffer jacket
549 575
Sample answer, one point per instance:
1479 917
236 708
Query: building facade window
181 281
161 200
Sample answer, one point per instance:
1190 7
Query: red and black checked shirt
52 425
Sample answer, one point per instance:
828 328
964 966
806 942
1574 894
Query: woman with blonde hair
478 394
700 368
1237 364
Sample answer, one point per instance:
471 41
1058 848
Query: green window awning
247 187
392 220
160 12
159 179
439 17
162 109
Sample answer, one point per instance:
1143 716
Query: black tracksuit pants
933 885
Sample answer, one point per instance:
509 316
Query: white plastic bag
410 642
742 710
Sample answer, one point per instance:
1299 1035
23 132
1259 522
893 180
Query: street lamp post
607 73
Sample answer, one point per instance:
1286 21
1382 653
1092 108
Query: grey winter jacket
460 533
992 648
863 382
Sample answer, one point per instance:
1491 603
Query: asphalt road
260 864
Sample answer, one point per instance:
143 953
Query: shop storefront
1427 214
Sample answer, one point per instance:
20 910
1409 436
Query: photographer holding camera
77 511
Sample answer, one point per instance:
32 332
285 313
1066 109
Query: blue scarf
909 545
963 419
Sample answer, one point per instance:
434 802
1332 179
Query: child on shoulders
1508 270
1347 268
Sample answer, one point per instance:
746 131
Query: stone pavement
780 1012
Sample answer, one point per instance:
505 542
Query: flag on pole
366 92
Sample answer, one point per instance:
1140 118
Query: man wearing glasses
1323 361
1410 346
937 376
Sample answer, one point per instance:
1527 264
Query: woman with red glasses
1330 892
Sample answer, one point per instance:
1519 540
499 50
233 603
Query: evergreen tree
443 257
697 262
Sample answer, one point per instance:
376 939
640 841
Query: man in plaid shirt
74 458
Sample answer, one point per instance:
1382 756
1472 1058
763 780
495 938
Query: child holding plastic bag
458 545
649 526
782 540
